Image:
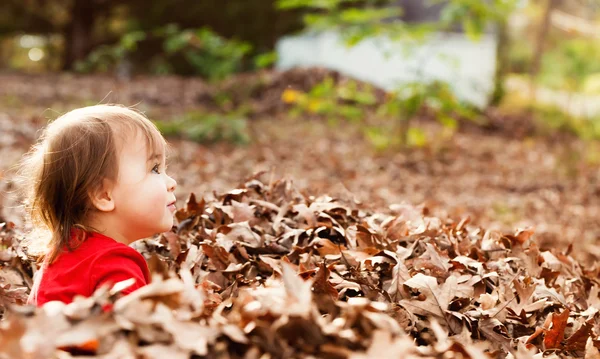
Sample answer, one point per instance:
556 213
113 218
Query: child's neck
110 228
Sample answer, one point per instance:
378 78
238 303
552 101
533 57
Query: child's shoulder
95 244
99 248
97 254
104 254
112 259
103 246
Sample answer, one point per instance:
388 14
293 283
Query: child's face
143 191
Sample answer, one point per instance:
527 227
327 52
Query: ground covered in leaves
503 177
334 250
264 271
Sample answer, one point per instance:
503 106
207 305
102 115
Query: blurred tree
255 21
541 42
75 20
502 61
78 32
86 24
25 16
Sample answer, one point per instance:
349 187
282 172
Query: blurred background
486 110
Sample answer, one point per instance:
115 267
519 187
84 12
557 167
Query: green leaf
129 41
473 28
448 122
317 4
177 42
416 137
369 15
379 138
265 60
352 113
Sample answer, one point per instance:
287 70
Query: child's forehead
142 145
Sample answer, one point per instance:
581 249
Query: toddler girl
96 182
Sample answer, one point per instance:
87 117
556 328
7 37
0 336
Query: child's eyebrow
157 156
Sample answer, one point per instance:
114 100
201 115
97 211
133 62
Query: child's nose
171 183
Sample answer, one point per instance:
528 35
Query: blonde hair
72 157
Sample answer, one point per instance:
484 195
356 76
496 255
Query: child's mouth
171 206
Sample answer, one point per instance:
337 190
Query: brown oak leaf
554 336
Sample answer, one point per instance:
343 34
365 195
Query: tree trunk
502 60
539 46
78 34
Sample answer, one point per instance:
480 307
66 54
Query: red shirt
98 260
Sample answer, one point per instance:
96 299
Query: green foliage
379 137
105 57
374 18
475 15
331 101
405 104
361 19
265 60
568 65
357 20
520 54
207 128
551 119
210 55
357 104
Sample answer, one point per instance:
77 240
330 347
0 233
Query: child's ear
101 196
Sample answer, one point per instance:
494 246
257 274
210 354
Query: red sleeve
116 266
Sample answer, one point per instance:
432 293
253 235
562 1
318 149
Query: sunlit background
481 109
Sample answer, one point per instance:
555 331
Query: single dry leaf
555 335
577 341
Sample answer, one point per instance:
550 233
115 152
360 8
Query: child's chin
167 228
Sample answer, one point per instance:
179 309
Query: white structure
468 66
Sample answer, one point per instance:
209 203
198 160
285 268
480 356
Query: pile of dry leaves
265 271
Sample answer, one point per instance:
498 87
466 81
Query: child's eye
156 168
